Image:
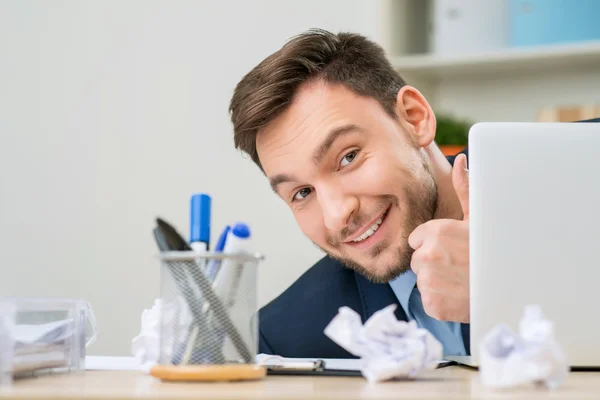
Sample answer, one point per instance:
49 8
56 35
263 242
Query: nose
337 206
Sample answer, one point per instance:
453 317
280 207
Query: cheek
377 176
311 223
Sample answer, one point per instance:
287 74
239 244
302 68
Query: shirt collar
403 286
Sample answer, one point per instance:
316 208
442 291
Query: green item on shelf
451 130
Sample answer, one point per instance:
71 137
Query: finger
417 237
421 265
460 180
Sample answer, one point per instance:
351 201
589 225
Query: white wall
114 112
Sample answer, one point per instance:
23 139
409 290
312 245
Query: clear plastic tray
41 335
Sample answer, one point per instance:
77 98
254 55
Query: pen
229 274
230 271
213 265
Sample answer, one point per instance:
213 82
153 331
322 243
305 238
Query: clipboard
276 365
324 372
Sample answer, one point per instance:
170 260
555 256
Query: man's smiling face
357 183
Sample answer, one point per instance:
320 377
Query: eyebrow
318 154
279 179
332 136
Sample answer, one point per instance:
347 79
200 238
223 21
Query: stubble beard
422 204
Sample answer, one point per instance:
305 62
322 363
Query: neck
448 203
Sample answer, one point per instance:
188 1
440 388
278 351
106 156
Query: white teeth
369 232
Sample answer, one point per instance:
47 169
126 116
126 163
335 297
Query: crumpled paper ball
387 347
534 356
145 346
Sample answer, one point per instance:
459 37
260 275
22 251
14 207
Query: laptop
535 232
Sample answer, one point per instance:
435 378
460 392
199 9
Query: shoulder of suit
314 284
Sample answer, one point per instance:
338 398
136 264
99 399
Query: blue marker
200 207
213 265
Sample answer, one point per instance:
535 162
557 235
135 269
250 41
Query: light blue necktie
448 333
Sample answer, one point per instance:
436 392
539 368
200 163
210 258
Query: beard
421 205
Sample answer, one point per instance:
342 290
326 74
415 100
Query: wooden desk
446 383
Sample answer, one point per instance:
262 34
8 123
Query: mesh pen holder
208 318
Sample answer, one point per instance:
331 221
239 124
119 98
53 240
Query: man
349 146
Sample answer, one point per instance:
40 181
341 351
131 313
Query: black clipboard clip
297 366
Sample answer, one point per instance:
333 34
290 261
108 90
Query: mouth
370 234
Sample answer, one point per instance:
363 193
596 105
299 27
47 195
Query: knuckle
425 279
430 305
440 229
442 315
432 256
444 227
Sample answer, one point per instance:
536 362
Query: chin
389 264
387 274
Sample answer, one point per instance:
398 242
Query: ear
415 111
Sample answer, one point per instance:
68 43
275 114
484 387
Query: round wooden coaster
208 373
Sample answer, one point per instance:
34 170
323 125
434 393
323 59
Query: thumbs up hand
441 257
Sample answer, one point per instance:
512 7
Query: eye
302 194
348 158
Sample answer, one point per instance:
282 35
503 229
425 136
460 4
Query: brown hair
345 58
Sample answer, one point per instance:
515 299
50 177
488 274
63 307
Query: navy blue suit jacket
292 325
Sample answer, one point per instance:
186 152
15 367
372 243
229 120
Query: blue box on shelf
546 22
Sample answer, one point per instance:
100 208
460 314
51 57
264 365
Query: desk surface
446 383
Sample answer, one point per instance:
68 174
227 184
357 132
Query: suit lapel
375 296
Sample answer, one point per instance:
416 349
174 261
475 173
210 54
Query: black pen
169 243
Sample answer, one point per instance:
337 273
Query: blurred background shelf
509 61
495 60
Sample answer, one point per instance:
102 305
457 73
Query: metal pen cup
208 327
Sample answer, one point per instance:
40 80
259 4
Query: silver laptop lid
535 230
